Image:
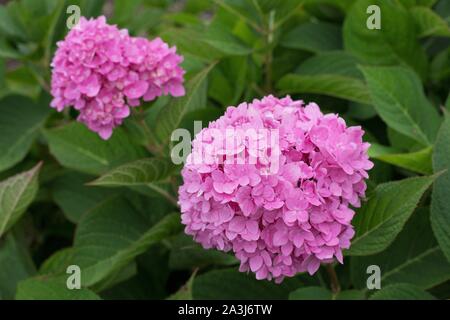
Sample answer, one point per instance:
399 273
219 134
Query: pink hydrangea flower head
274 181
102 71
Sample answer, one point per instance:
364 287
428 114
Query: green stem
334 281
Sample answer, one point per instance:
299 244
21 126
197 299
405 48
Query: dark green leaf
314 36
401 292
410 114
414 258
231 284
19 125
15 265
311 293
51 289
140 172
75 147
112 235
394 43
385 213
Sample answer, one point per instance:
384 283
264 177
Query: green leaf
187 254
185 292
218 37
75 147
394 43
15 265
410 114
440 205
332 62
401 291
419 161
57 263
89 8
51 289
22 81
137 173
232 284
332 85
383 216
414 258
311 293
111 235
209 44
314 37
321 293
9 22
19 125
75 198
447 103
16 194
349 295
171 116
429 23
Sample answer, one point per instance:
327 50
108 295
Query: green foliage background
67 197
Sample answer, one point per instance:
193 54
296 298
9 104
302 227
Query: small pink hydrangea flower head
274 181
102 71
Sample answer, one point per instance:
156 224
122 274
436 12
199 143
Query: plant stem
334 281
165 194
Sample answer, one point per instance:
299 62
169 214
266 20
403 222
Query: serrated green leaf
410 114
394 43
51 289
111 235
16 194
414 258
383 216
75 147
401 291
440 205
171 116
419 161
136 173
429 23
332 85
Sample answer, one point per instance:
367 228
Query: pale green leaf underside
140 172
16 194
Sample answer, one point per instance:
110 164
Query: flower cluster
102 72
281 222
